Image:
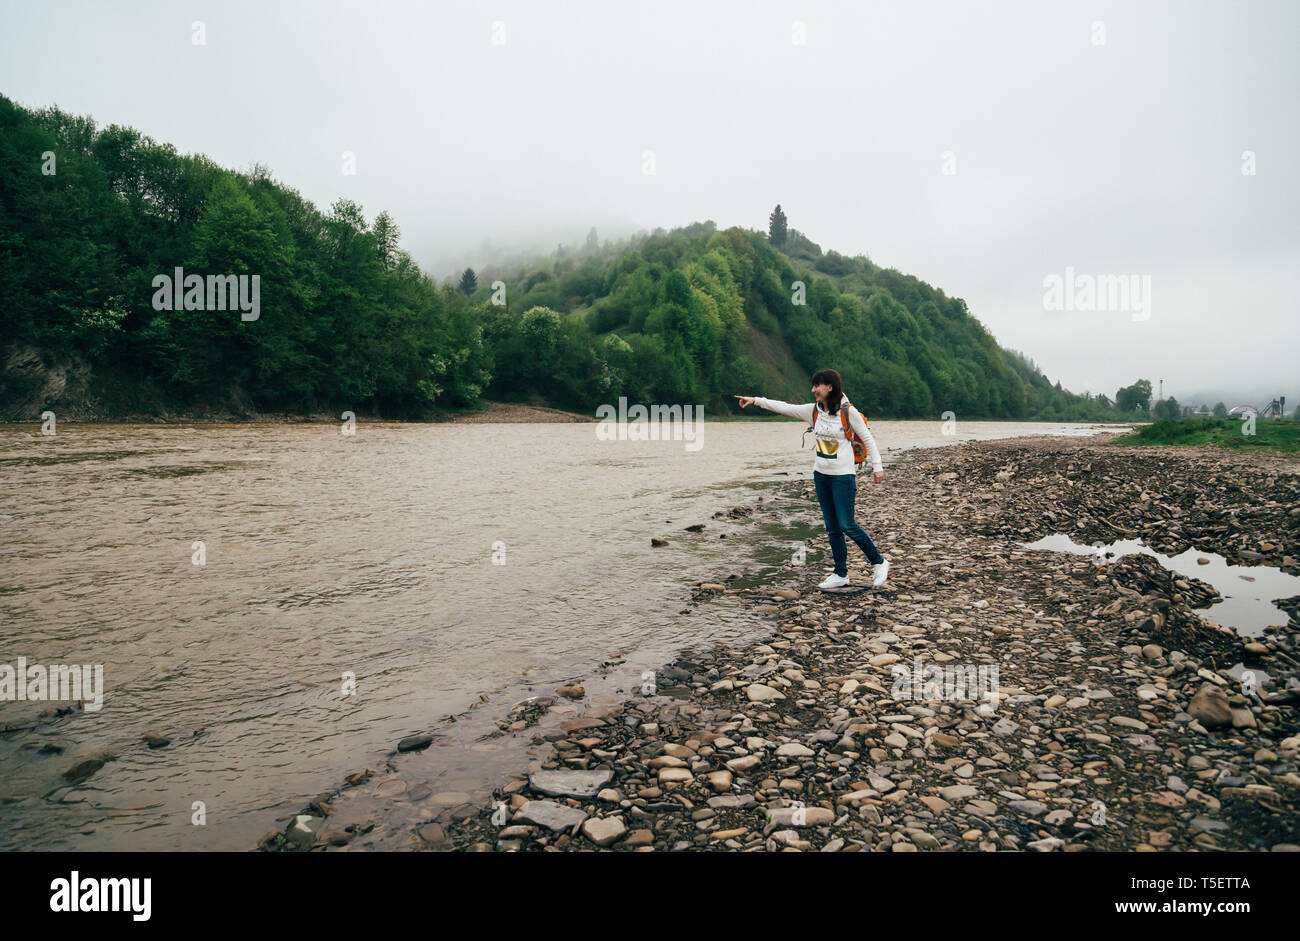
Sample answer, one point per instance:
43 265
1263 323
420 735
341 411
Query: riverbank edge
490 412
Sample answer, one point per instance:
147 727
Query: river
442 566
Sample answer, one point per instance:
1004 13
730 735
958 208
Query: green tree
776 230
387 235
468 282
1168 408
1136 397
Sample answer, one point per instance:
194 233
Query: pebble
1210 707
603 830
415 742
720 781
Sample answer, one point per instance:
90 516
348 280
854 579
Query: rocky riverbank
1057 705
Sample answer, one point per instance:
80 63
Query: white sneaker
834 581
881 573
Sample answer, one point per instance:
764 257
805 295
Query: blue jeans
836 493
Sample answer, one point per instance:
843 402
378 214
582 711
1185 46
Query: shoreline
1177 757
491 412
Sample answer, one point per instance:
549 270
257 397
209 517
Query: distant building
1242 411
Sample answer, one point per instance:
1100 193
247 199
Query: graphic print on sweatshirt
830 435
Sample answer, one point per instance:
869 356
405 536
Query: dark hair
829 377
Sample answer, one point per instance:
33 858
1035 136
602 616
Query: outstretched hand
745 400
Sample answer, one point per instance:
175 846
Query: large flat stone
550 815
569 783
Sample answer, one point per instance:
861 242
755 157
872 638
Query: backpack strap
859 445
844 420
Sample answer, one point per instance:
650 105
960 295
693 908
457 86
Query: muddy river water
283 603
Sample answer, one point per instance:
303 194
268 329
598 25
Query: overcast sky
1101 137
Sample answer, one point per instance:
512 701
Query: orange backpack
859 446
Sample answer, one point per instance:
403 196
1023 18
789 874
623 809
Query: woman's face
820 392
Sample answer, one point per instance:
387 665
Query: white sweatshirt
834 452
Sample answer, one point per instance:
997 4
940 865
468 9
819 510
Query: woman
834 471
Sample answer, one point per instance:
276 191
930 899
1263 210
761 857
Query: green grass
1270 434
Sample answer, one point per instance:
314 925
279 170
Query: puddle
1247 591
1260 676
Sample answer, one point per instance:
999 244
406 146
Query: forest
91 217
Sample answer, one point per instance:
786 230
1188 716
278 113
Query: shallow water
1247 591
324 555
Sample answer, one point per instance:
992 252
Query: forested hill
90 218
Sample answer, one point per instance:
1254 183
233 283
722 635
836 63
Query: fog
983 147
